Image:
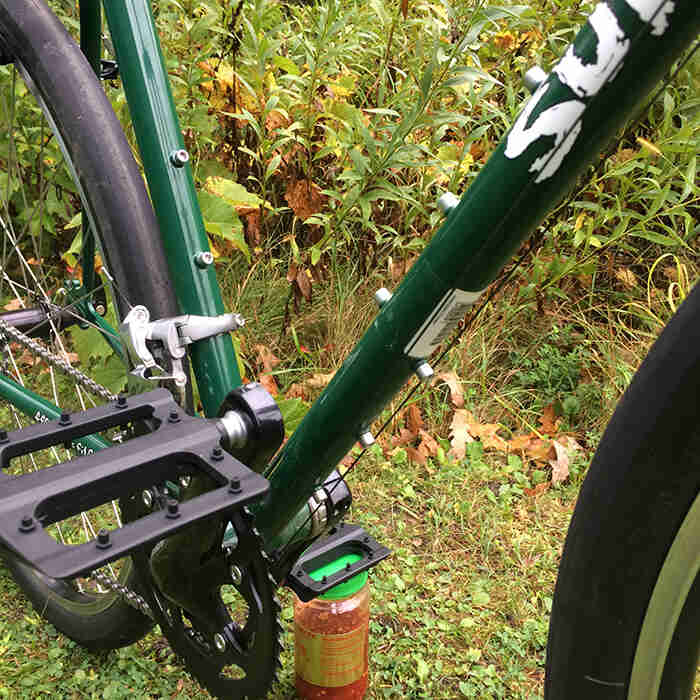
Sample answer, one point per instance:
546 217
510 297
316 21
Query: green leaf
422 670
111 374
221 219
315 255
286 64
293 411
232 192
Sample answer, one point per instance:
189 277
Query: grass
461 609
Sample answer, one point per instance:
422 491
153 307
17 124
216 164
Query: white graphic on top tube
650 8
548 123
585 79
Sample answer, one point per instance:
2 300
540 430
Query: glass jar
332 639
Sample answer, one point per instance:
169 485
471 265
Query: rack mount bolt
424 371
447 202
366 439
533 78
382 296
179 158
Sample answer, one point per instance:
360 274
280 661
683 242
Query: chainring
234 651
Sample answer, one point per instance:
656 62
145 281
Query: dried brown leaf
428 444
459 435
305 198
414 420
548 420
266 358
303 280
318 381
269 383
455 386
416 456
560 465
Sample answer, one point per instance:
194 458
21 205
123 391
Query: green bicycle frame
574 112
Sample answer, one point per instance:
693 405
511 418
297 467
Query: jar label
331 660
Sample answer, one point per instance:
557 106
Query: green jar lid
342 590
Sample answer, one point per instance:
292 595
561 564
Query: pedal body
177 445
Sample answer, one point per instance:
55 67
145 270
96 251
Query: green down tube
617 57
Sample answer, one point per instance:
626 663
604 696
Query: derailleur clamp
175 334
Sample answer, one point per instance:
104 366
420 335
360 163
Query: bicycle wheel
62 149
625 615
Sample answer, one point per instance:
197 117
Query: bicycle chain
56 361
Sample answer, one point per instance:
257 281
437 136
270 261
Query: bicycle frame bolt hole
203 259
103 541
366 439
234 486
64 419
236 575
447 202
424 371
3 436
26 524
147 498
382 296
533 78
174 417
179 158
220 642
172 509
217 454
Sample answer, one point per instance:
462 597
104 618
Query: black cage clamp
341 540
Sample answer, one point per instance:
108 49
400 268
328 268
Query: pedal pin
235 486
147 498
173 509
26 524
103 539
121 401
64 419
3 437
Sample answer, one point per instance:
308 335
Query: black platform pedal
177 445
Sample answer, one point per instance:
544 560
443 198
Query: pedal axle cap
234 486
26 524
173 509
64 419
103 541
217 454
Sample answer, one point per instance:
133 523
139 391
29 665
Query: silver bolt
424 371
533 78
219 642
185 481
147 497
203 259
447 202
366 439
381 296
100 308
236 575
179 157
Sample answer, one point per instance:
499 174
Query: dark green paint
172 190
498 211
41 410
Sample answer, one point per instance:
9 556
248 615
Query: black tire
635 520
115 200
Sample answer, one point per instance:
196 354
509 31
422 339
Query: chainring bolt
219 642
236 575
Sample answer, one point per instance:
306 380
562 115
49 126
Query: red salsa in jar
331 636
